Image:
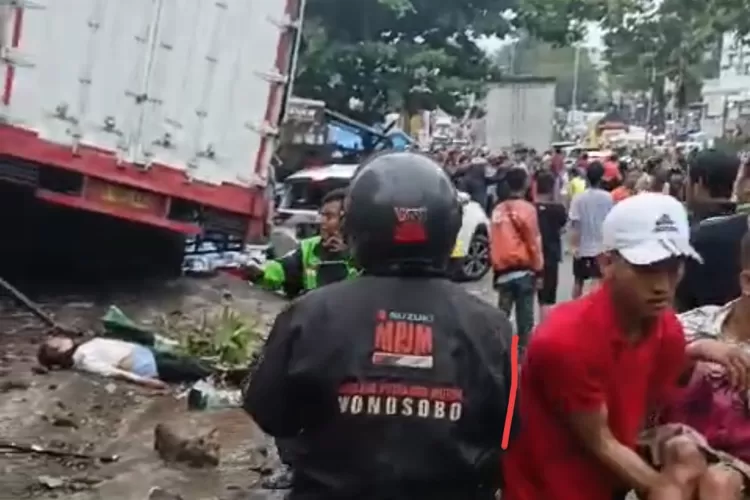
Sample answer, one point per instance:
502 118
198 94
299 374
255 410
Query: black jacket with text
393 388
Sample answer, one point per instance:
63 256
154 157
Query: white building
726 99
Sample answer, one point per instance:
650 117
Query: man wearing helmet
395 384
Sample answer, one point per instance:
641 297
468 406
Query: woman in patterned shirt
712 409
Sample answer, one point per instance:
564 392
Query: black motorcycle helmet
402 215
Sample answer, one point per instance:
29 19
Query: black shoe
280 479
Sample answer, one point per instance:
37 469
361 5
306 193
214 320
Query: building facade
726 99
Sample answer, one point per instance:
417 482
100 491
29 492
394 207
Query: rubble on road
81 419
160 494
197 449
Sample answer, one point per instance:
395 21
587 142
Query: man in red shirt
597 365
612 176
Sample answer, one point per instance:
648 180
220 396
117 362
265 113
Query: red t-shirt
578 360
611 170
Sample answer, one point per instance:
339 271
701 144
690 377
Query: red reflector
410 232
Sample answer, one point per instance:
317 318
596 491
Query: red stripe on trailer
99 164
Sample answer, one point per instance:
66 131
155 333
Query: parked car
297 217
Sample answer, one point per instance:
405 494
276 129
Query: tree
648 42
562 22
396 54
671 43
533 57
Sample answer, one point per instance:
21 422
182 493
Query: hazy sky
592 40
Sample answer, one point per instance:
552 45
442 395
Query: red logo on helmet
410 225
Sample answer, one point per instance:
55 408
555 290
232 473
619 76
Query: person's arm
575 385
592 429
498 358
534 239
499 394
96 367
574 217
285 273
673 367
271 397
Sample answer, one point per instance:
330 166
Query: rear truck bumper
157 196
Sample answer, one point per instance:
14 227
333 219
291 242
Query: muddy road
66 411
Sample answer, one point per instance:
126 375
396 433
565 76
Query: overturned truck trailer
162 112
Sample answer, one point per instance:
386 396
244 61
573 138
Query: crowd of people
385 380
396 384
535 202
616 227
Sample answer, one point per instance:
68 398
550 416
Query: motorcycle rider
316 261
395 384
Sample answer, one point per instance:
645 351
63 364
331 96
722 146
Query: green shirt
305 268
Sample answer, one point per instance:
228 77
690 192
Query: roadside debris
50 482
12 447
63 423
33 308
160 494
204 395
14 384
67 484
177 445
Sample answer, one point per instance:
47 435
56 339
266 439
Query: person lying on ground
598 364
712 413
113 358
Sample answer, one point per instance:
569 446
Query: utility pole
650 102
576 65
513 57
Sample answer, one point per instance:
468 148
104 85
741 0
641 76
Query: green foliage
671 40
533 57
396 54
224 338
672 36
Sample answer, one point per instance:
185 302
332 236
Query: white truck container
147 106
520 111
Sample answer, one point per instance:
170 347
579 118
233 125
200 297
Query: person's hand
539 283
157 386
335 243
252 271
734 359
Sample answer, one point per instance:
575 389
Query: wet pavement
65 412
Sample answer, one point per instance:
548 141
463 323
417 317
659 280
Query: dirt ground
74 412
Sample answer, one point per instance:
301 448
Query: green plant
226 339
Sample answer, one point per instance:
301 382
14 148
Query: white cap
648 228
